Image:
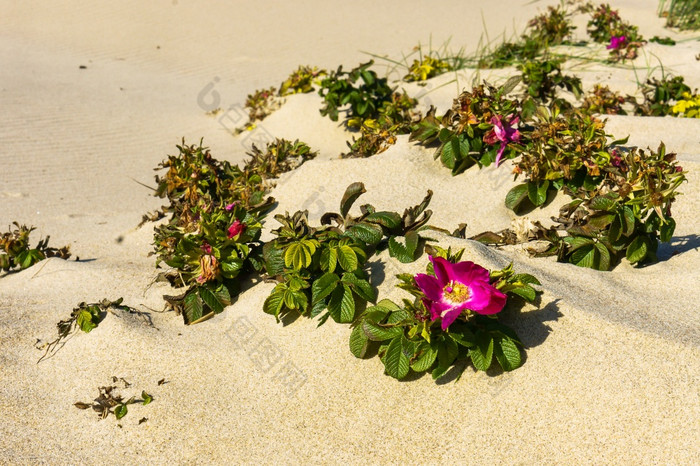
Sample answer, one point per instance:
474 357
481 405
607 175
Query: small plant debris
109 401
85 317
15 251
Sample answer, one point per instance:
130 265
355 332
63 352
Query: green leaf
358 342
395 361
194 308
508 87
602 203
377 333
85 322
426 359
146 398
297 256
342 304
666 230
399 251
577 242
526 292
273 303
604 257
231 268
637 250
366 232
352 192
584 257
482 354
329 259
347 258
507 354
516 196
628 221
447 353
362 288
537 194
389 220
615 229
216 299
323 286
120 411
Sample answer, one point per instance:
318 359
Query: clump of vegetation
261 104
377 135
625 215
109 401
85 317
602 100
427 67
659 94
324 268
302 81
562 148
681 14
478 129
16 253
376 109
688 106
542 78
217 210
442 325
548 29
606 26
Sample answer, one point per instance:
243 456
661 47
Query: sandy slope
612 369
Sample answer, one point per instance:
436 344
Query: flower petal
430 286
485 299
449 317
441 267
467 272
437 308
499 155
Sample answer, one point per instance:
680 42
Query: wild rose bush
477 130
453 318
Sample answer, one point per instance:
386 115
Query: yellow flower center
456 292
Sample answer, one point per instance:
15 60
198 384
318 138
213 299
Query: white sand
612 371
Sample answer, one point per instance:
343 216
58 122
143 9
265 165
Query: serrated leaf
526 278
273 304
323 286
577 242
584 257
426 359
395 361
482 354
342 305
615 229
390 220
366 232
627 221
347 258
351 194
516 196
526 292
194 307
358 342
329 259
508 354
377 333
602 203
362 288
399 251
216 299
604 257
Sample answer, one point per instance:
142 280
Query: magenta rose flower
617 42
230 206
236 229
504 132
456 288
